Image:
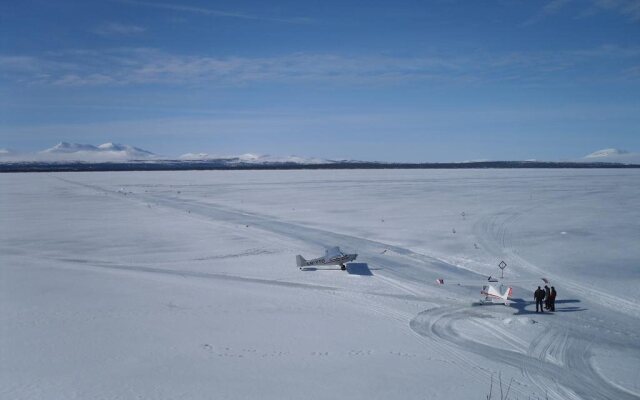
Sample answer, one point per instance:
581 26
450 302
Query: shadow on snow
529 307
352 269
522 306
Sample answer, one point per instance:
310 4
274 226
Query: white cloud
551 8
629 9
217 12
18 63
139 66
149 66
118 29
554 6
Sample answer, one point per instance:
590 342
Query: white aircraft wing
493 279
332 252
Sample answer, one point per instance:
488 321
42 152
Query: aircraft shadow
359 269
529 306
352 269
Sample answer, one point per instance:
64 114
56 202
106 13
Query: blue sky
440 80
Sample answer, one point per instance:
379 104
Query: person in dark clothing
539 296
552 299
547 293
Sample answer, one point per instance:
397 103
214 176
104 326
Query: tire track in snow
404 274
413 269
492 232
428 321
575 373
197 274
241 279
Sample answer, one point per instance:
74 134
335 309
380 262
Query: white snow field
183 285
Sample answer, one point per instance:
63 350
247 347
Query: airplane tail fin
300 261
507 293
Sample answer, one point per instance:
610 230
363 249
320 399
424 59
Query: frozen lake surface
167 285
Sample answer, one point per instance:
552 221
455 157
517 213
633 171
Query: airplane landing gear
342 267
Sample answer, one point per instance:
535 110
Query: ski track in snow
410 272
241 279
555 356
557 363
493 233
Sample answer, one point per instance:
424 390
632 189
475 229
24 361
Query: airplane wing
332 252
492 279
523 281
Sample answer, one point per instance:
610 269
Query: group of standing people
546 295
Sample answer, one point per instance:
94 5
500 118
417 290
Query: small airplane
332 256
492 295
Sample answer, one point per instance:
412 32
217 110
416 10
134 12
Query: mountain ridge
110 152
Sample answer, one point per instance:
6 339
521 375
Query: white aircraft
332 256
492 295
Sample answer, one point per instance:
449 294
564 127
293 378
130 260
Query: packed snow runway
170 285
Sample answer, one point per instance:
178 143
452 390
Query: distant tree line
218 165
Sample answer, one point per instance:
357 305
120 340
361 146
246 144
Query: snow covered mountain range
64 147
114 152
613 155
104 152
249 158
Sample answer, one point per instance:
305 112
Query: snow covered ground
166 285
